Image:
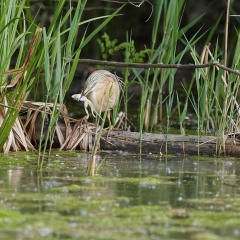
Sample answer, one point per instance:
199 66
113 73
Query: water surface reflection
132 197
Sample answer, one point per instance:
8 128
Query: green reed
56 55
63 62
14 33
215 100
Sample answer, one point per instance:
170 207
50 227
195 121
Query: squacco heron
101 92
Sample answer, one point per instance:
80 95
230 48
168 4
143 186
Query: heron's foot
86 117
112 128
109 128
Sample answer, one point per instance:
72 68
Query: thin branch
158 65
139 5
112 1
99 7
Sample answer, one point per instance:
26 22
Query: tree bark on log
171 144
152 143
123 140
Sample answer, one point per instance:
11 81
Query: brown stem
158 65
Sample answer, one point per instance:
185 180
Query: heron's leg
109 118
110 126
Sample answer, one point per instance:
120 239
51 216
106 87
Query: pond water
131 197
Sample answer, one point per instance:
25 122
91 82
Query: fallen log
151 143
171 144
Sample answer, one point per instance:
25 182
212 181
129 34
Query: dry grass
18 138
82 134
69 133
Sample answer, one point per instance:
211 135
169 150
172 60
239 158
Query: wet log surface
152 142
171 144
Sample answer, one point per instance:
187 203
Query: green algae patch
205 236
7 215
216 219
75 188
105 220
151 180
125 200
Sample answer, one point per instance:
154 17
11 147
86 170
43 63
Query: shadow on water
151 197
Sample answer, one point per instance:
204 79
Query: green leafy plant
109 48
